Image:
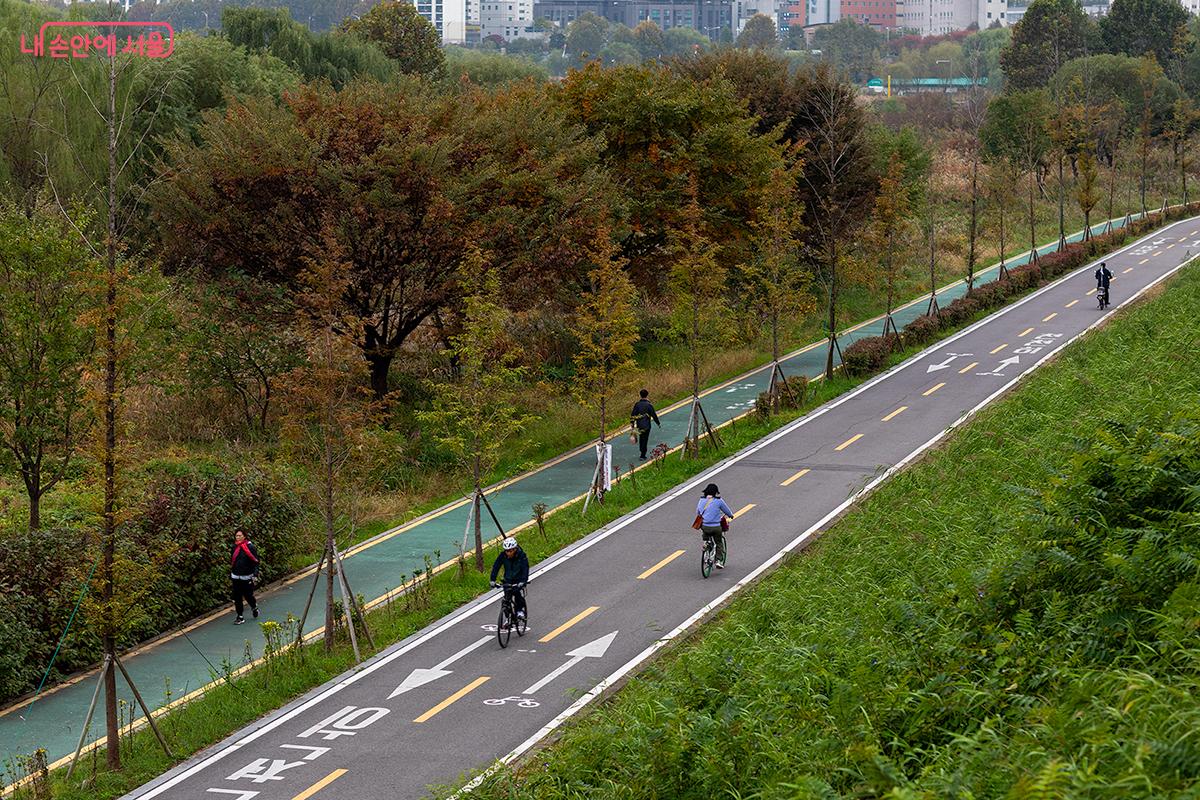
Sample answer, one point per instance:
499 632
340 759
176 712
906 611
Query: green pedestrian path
54 721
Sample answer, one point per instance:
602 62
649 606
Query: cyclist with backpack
712 513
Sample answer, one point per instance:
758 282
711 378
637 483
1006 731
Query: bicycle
508 616
708 556
1102 298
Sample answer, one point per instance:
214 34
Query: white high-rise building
934 17
822 12
1193 6
509 19
448 16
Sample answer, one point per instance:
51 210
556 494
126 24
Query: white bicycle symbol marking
522 702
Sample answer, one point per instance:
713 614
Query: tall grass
956 635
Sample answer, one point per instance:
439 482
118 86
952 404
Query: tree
891 230
337 57
974 114
328 411
699 309
657 130
474 417
838 180
779 284
606 328
239 341
759 34
649 40
403 35
851 47
408 174
1138 27
681 41
586 36
1182 128
1015 129
43 349
1051 33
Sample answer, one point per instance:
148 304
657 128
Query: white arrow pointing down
420 677
594 649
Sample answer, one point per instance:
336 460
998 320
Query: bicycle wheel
522 623
503 630
707 556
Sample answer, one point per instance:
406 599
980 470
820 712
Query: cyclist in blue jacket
712 509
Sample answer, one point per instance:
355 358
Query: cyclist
516 573
712 511
1103 277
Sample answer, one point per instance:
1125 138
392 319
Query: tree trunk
1062 219
973 224
380 364
328 512
478 522
108 634
1112 188
1032 223
833 270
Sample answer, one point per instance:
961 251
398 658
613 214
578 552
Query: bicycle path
375 567
448 701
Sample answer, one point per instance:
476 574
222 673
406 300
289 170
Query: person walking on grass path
643 412
244 574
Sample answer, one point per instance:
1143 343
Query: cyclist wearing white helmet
516 573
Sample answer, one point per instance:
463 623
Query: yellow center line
968 368
744 509
1026 332
795 477
585 613
1052 316
319 785
1073 302
1092 292
454 698
895 413
928 392
1143 261
1159 253
1126 270
641 577
849 442
998 349
1168 247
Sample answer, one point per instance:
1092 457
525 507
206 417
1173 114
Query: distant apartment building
706 16
448 16
822 12
879 14
936 17
509 19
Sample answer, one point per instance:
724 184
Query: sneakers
719 565
239 620
255 610
521 615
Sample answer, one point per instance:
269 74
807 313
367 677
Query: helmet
510 543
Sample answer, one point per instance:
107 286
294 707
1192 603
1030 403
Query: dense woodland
282 294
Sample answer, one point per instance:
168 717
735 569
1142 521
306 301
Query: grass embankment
955 636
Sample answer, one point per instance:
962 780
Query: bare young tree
837 180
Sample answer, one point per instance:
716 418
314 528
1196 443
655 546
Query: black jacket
242 563
641 415
516 569
1103 276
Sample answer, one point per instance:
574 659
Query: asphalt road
448 701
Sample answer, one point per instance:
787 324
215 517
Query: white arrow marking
945 364
594 649
999 370
420 677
